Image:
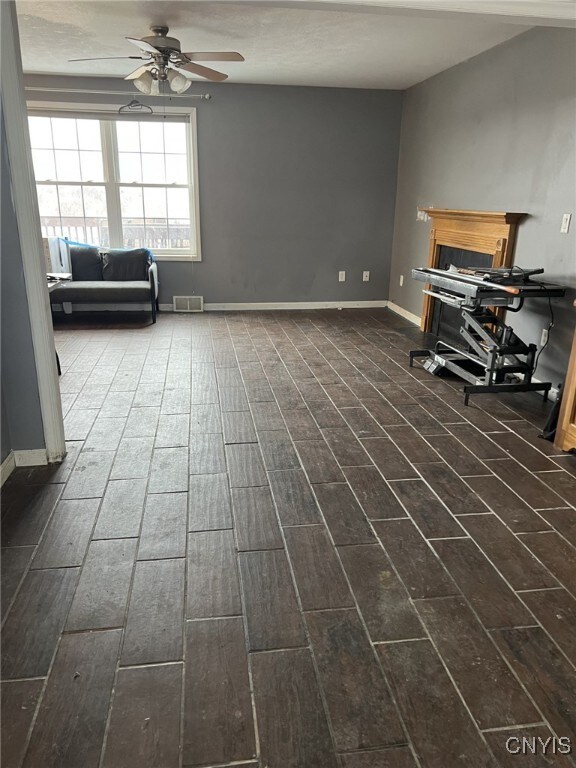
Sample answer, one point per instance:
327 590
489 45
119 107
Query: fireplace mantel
488 232
489 217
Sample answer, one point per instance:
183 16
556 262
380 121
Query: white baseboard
279 305
35 458
404 313
7 467
553 394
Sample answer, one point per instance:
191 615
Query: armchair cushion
120 264
85 262
102 292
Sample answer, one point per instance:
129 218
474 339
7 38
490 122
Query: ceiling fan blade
214 56
143 45
137 73
198 69
105 58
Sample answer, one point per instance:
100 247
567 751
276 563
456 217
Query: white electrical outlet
342 276
366 276
544 337
565 226
401 280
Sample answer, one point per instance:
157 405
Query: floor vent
188 303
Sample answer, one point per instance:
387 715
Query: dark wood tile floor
274 544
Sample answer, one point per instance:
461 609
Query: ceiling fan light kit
178 82
145 83
163 61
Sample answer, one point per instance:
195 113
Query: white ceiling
384 44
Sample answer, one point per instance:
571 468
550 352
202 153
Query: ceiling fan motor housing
160 40
164 60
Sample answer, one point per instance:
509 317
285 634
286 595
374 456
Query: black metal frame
437 360
491 351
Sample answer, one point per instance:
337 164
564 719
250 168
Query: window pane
133 233
91 230
175 137
96 231
64 133
131 202
73 227
48 200
157 233
178 203
179 231
153 169
91 165
70 201
176 169
67 165
151 137
154 203
94 201
89 134
40 132
130 167
44 167
127 136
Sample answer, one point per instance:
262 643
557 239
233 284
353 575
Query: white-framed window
120 183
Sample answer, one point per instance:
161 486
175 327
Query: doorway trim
28 220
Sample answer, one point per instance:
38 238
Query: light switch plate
565 226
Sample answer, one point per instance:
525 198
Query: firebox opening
446 320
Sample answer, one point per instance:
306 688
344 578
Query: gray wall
5 432
295 185
22 427
497 133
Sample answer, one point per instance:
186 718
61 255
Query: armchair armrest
153 279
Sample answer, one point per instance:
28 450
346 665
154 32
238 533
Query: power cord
550 326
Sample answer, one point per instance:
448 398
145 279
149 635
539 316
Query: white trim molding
28 219
34 458
280 305
180 257
7 467
404 313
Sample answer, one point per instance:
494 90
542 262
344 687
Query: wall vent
188 303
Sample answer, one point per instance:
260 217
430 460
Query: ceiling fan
164 61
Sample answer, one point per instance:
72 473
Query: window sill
176 256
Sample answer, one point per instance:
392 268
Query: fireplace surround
467 238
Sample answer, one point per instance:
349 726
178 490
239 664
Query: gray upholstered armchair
115 279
